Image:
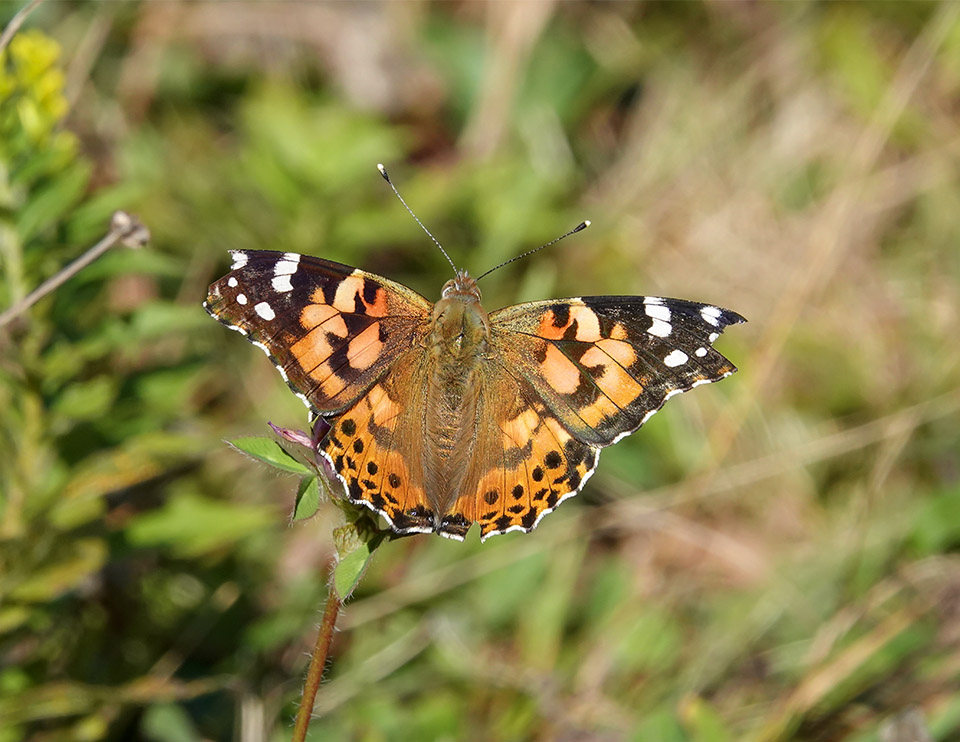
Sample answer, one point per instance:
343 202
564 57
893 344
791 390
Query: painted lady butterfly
443 415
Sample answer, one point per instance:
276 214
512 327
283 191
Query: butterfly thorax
457 346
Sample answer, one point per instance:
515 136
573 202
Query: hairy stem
317 663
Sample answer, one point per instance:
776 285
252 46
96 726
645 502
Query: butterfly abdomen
457 345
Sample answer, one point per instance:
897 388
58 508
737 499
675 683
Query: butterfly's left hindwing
604 364
330 329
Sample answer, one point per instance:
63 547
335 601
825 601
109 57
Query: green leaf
308 499
269 452
168 722
702 721
86 400
85 557
192 525
936 526
52 202
355 550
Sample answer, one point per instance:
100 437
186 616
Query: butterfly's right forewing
330 329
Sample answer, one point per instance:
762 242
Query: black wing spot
369 291
553 460
394 480
358 446
516 509
372 468
349 427
561 314
518 492
529 519
355 492
537 474
502 523
491 497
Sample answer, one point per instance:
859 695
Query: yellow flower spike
34 53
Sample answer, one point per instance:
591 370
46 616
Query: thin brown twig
318 662
124 228
10 30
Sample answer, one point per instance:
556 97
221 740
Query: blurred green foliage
771 558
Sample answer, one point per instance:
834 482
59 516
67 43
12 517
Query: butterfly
443 415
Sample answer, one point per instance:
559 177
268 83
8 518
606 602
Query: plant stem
124 228
317 663
14 25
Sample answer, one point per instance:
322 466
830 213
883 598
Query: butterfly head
462 287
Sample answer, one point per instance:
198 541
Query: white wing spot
676 358
293 257
232 282
713 336
658 311
711 315
239 259
652 300
281 284
659 328
700 352
241 298
265 311
284 267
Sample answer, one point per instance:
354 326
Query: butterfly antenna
383 172
579 228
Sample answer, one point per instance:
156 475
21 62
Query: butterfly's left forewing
604 364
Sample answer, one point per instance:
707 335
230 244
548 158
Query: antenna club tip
383 171
587 222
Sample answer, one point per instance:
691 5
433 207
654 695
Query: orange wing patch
559 371
570 321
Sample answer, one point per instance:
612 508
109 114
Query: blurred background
774 557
